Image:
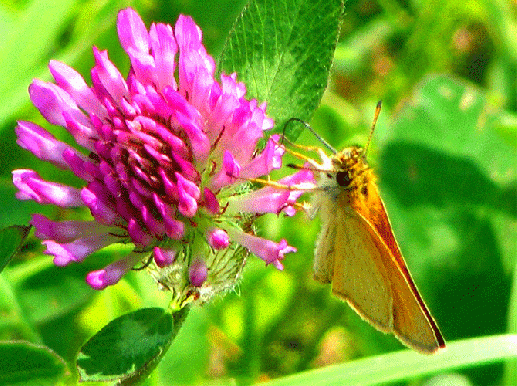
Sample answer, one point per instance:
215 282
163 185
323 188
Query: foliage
444 148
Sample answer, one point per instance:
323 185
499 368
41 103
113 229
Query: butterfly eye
343 179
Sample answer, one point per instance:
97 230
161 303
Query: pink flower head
160 155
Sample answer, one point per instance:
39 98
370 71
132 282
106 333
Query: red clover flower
167 153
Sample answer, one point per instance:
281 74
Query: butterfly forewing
411 316
360 279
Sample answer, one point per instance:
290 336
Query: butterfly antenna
308 127
375 117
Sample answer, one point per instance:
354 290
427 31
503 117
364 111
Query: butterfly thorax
346 172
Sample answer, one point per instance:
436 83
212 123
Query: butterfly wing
370 273
343 257
359 277
324 252
412 321
358 253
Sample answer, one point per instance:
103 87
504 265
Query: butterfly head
348 165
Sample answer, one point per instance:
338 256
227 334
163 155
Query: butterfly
357 253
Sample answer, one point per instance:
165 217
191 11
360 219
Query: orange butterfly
357 252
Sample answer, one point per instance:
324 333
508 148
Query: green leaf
272 297
407 364
49 19
53 292
46 292
61 35
507 128
129 347
282 50
22 363
445 152
11 240
449 182
453 117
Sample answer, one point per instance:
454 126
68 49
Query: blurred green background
445 152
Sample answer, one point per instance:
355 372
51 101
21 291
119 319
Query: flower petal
135 40
42 144
80 166
77 250
196 67
53 102
138 234
109 80
73 83
189 120
267 250
265 200
272 199
269 159
112 273
188 193
131 30
198 273
175 229
66 231
164 257
217 238
164 49
210 201
228 174
94 198
32 187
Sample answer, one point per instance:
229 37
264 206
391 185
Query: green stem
510 366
